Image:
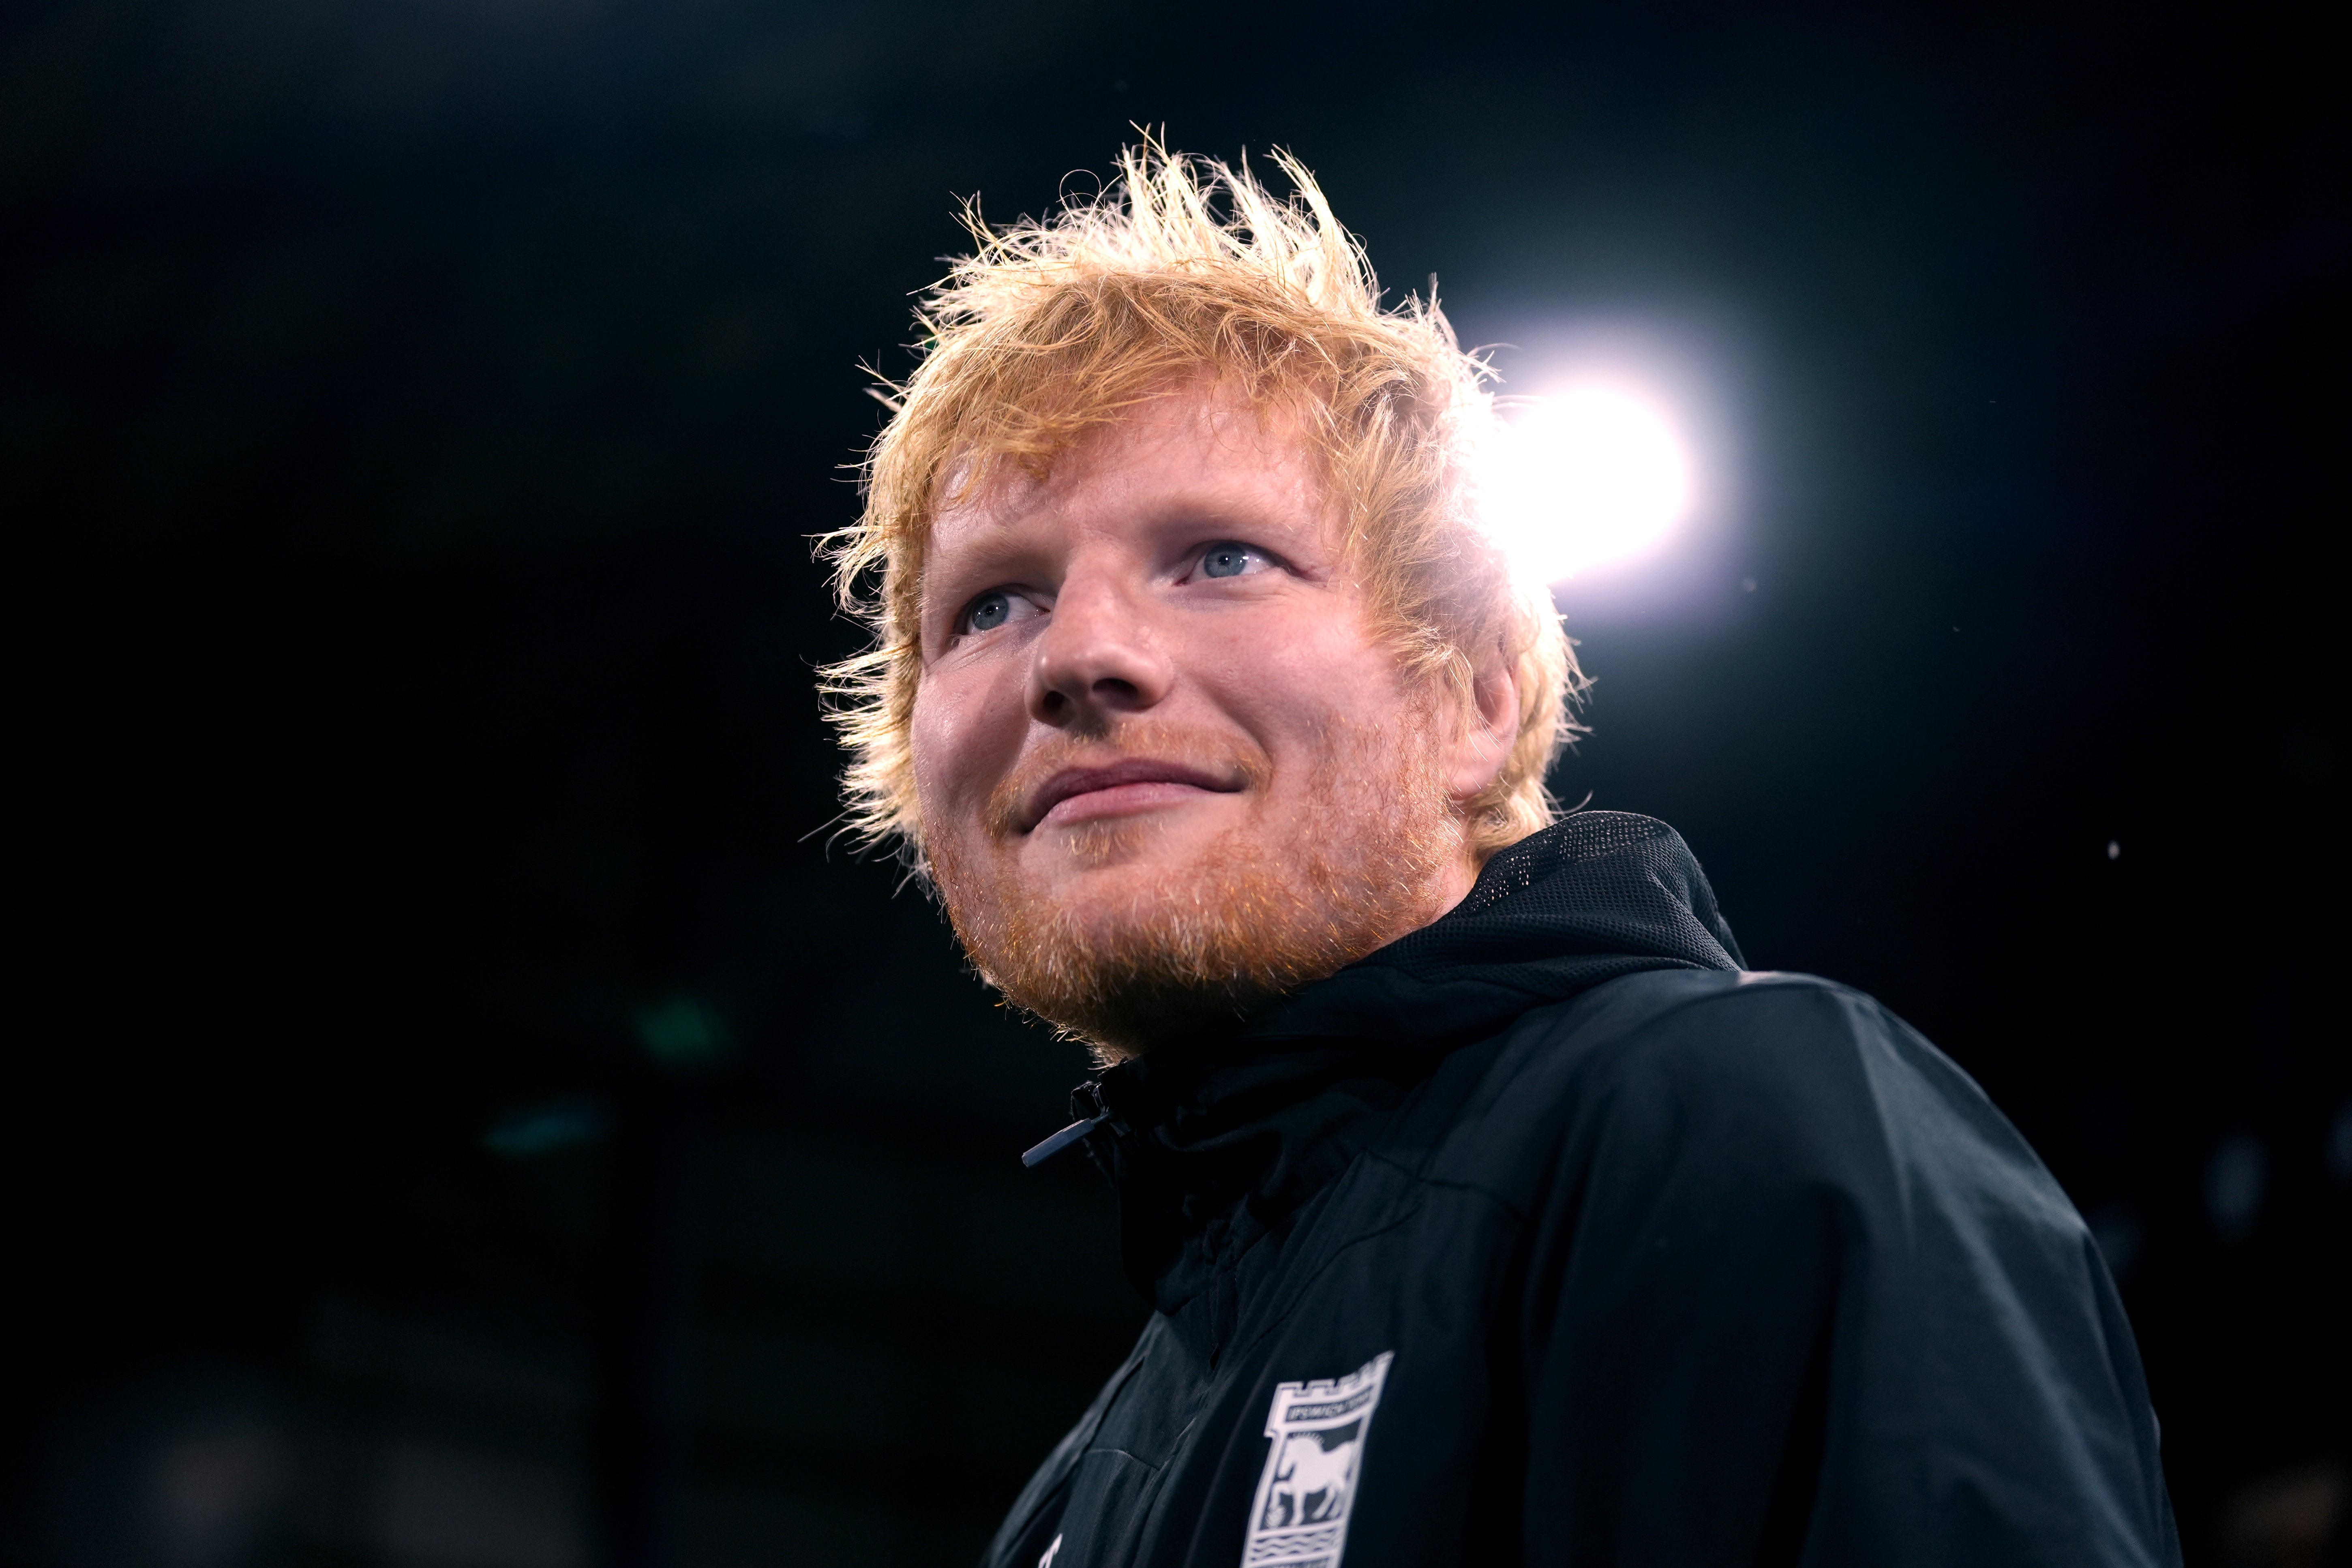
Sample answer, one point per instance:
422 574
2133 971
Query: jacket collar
1213 1147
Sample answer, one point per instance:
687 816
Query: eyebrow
983 529
982 515
976 542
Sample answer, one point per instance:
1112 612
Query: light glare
1591 475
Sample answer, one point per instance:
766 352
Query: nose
1099 656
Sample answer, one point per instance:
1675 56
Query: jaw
1132 928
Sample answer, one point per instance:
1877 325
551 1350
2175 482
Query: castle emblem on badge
1315 1454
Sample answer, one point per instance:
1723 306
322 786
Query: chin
1130 930
1144 868
1154 948
1135 906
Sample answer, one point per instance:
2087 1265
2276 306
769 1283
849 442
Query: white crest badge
1315 1456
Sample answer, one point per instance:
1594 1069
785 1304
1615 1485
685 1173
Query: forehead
1195 452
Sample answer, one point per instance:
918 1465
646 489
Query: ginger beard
1133 953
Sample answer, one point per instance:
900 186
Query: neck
1214 1015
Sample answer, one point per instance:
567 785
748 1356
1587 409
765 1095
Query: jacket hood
1601 894
1211 1148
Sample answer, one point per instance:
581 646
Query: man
1488 1210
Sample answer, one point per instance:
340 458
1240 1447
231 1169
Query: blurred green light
545 1129
682 1032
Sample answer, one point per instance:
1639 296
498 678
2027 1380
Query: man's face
1165 768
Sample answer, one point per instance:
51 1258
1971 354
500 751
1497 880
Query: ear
1485 729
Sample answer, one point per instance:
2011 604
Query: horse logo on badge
1315 1454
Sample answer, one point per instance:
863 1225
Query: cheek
965 735
1289 685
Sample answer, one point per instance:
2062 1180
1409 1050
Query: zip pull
1087 1105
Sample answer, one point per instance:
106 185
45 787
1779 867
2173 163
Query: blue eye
996 609
989 611
1229 560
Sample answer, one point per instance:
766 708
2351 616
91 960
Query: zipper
1087 1105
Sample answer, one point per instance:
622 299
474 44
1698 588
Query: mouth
1140 783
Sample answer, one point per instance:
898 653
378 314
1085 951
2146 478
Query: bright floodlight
1586 476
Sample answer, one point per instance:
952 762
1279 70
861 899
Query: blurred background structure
462 1112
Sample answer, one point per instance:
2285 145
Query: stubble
1129 962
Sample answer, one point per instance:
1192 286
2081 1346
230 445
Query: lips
1070 783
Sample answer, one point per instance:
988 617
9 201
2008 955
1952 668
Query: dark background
457 1115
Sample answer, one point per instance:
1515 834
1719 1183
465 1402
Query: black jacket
1548 1235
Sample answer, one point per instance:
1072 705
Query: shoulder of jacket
1784 1078
1699 1028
